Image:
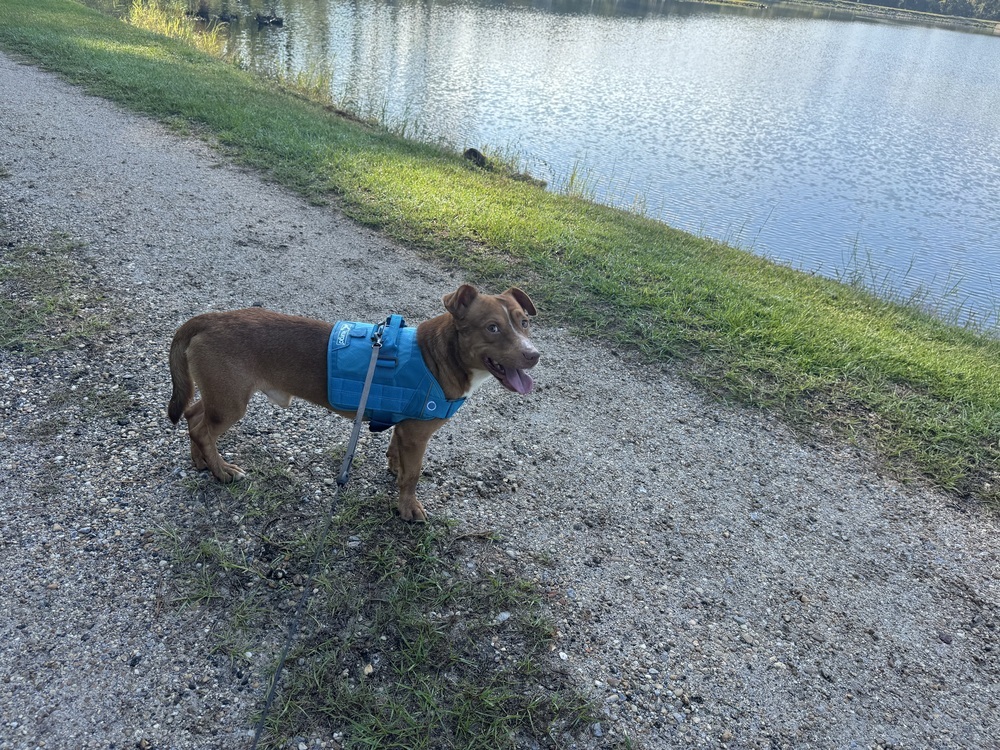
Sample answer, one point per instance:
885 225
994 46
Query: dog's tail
180 374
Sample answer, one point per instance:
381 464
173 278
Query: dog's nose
531 357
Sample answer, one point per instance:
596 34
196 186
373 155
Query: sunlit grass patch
168 17
142 51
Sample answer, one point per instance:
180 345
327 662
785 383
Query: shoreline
879 12
868 12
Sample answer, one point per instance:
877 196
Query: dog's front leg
406 459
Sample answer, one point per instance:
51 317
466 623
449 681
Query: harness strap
352 444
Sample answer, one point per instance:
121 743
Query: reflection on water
837 147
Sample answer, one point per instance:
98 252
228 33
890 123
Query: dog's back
260 349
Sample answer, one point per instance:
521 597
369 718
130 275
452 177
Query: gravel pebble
715 579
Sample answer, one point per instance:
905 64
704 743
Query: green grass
168 17
925 394
43 307
402 645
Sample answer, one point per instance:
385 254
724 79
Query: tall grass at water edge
949 303
169 17
924 394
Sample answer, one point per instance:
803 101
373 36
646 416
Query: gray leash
345 475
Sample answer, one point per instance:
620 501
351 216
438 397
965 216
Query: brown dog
231 355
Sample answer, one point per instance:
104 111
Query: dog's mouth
510 377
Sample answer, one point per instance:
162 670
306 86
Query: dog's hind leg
205 443
194 414
222 404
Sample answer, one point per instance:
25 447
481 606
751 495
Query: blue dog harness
403 387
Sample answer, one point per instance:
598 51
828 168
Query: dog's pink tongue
518 381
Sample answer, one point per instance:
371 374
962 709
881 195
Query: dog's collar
403 387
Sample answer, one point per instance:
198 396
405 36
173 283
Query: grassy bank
925 394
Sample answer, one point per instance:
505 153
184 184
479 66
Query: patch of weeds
425 640
268 488
43 303
234 643
179 127
172 542
111 403
244 546
114 403
415 636
200 580
169 18
46 428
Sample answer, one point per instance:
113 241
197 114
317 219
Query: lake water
848 148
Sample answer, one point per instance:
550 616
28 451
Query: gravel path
717 582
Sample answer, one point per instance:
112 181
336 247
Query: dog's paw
231 473
412 511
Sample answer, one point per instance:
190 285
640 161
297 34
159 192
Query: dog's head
495 330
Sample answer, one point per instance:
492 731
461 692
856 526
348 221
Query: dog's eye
493 328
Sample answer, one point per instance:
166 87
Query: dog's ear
522 299
458 302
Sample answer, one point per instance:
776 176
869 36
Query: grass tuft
415 637
169 18
42 306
